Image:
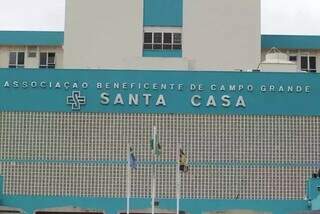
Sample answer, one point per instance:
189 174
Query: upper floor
46 50
21 49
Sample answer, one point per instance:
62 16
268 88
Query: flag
133 163
183 161
155 145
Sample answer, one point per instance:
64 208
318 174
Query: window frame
47 64
308 68
16 64
163 46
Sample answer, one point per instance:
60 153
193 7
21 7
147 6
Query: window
47 60
309 63
292 58
16 60
162 41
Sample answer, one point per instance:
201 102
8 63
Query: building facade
73 102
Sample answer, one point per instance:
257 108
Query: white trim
163 29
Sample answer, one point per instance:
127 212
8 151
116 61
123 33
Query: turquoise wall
278 101
163 13
112 206
312 188
1 189
162 53
48 38
290 41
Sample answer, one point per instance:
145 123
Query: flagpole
178 179
154 135
128 180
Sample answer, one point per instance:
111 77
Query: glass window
12 60
51 58
21 59
177 38
43 60
16 60
177 41
312 64
309 63
304 63
47 60
157 37
162 41
147 37
293 58
167 38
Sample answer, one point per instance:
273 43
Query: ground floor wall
191 206
79 159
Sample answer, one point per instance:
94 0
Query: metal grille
84 154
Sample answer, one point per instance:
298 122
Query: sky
277 16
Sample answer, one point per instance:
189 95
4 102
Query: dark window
16 60
43 60
157 41
309 63
147 37
167 38
312 64
13 60
157 38
47 60
162 41
51 57
304 63
177 41
293 58
147 46
177 38
21 59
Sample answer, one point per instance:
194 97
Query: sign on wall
159 92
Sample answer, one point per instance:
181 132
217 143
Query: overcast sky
278 16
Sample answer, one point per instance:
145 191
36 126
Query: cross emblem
76 100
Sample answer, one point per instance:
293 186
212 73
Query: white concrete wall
217 35
222 34
30 62
103 33
278 67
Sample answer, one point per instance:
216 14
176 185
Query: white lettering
161 101
118 100
196 100
147 99
133 99
225 101
241 102
104 98
211 101
6 84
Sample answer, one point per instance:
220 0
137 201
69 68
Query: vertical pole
154 136
178 179
128 180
